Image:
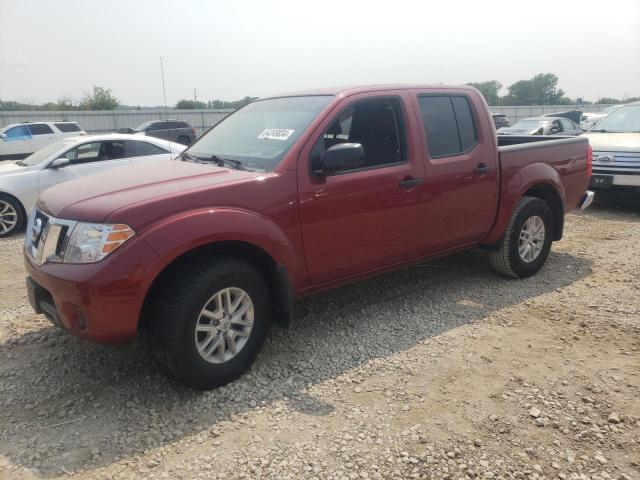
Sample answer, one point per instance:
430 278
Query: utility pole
195 96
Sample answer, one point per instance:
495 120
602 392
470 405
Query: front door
368 217
461 170
85 159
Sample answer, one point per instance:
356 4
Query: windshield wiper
599 130
21 163
227 161
189 158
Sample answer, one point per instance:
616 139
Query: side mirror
59 163
540 131
343 156
3 136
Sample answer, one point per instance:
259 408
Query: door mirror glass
3 136
343 156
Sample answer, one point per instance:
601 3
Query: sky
231 49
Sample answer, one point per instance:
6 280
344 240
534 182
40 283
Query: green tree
490 90
542 89
190 105
101 99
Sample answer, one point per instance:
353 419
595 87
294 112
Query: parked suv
20 140
172 130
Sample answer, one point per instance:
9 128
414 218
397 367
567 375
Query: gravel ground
443 370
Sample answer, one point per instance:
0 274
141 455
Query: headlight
91 242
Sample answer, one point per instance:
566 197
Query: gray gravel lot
69 407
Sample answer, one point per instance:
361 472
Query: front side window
448 124
375 124
40 129
260 134
567 126
95 152
19 132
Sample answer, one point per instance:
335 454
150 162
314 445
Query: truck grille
46 237
620 163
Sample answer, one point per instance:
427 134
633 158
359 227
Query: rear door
41 135
461 169
366 218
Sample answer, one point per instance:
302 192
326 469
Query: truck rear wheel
210 321
526 243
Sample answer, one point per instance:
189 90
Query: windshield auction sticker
276 134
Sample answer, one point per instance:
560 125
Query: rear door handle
408 183
481 169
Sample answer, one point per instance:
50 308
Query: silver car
542 126
21 182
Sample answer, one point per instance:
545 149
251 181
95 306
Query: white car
615 141
22 139
21 182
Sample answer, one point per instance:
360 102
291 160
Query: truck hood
614 142
95 197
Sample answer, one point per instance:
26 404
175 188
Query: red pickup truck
288 196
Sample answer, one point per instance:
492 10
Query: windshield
609 110
260 134
623 120
530 124
141 128
44 153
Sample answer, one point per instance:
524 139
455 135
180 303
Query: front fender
178 234
514 187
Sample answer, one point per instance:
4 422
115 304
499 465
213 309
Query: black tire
10 210
184 140
506 259
175 311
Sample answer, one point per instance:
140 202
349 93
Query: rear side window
40 129
143 149
448 123
67 127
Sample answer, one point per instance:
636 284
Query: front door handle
407 183
481 168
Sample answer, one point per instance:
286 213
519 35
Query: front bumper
586 200
101 301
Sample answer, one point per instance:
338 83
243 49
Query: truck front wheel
210 321
526 243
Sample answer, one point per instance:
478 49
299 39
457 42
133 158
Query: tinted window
448 124
177 125
466 127
375 124
40 129
143 149
440 126
18 132
67 127
158 126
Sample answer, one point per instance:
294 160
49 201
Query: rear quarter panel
561 164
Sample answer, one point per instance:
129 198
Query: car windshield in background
623 120
44 153
260 134
529 124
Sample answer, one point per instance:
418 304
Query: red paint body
325 231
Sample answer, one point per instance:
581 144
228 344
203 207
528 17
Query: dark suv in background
172 130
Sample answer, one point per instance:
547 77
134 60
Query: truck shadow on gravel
66 405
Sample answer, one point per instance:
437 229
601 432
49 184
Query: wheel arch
275 274
550 195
